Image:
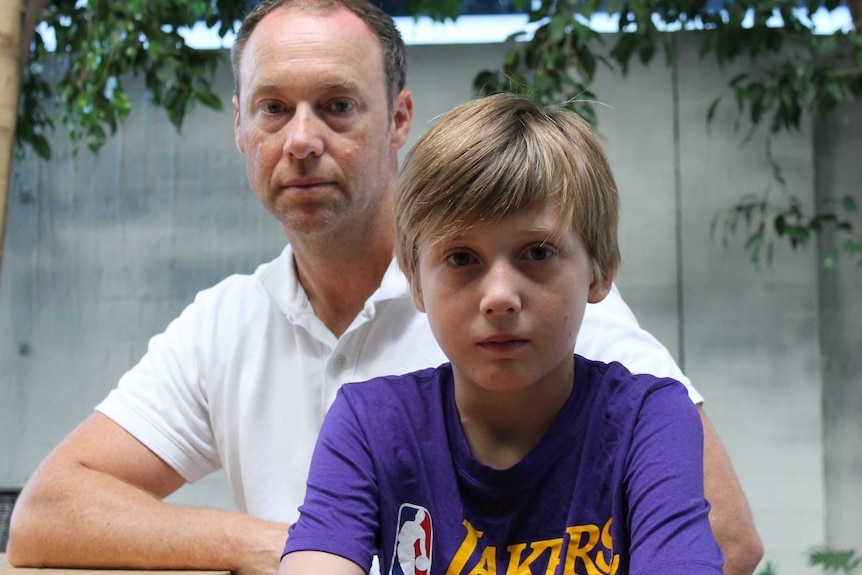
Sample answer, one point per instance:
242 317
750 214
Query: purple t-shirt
614 486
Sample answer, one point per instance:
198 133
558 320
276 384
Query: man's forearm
85 518
730 516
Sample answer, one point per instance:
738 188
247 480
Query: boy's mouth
504 342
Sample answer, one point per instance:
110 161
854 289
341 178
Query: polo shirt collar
282 284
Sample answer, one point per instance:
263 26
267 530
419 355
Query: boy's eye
539 253
459 259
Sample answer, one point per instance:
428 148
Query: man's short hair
378 21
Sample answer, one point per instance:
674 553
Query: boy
518 456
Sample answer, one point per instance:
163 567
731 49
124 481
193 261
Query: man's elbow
20 548
744 556
29 543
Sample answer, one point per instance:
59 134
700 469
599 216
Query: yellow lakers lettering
588 549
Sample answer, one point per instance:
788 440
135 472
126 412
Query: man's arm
96 502
316 563
730 516
610 332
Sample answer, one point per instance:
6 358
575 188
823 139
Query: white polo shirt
243 377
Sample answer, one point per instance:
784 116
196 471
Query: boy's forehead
540 220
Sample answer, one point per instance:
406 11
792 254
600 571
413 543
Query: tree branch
855 7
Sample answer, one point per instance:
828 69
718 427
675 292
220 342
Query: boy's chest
556 527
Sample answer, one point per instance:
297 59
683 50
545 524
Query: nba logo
413 542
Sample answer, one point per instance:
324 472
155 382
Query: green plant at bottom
844 561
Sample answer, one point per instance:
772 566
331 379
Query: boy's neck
501 428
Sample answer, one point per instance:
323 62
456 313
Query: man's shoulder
616 379
239 286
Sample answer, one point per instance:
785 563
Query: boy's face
505 303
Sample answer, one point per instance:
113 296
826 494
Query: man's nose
304 134
501 290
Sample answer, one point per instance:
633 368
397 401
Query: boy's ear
600 285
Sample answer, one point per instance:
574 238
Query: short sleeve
161 401
340 512
668 514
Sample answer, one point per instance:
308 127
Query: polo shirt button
340 361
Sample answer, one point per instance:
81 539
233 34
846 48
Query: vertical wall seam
677 184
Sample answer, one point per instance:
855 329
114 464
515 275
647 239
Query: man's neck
339 278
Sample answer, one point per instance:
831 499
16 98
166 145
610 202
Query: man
242 378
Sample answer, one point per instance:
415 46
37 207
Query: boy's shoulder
421 388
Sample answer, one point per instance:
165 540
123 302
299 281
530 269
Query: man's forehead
334 19
314 36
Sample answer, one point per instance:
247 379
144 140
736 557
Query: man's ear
402 117
236 127
600 285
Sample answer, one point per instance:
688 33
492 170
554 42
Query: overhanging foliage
793 72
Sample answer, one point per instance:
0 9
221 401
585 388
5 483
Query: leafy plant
830 560
98 45
839 561
793 72
767 221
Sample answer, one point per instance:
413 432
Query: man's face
314 124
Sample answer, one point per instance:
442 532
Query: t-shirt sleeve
340 512
610 332
669 517
161 401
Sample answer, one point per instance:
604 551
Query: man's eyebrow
268 87
342 84
334 85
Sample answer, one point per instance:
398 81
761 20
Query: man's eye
539 253
272 107
459 259
341 106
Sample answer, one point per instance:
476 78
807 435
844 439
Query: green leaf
41 146
623 50
207 97
122 103
95 137
834 559
710 113
830 260
557 28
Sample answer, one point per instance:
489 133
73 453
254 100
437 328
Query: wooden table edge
7 569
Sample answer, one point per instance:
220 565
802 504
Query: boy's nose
500 290
304 137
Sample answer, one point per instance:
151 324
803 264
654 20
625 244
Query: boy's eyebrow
548 231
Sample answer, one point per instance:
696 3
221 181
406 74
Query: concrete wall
838 171
102 252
